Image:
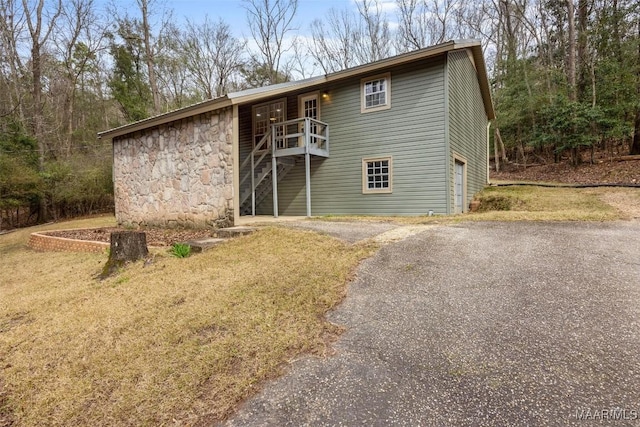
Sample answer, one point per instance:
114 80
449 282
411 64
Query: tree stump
126 246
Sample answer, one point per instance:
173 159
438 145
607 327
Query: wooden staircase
278 149
263 179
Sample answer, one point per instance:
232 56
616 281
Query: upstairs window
376 93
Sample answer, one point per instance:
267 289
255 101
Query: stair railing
252 158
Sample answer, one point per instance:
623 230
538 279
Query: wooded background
565 77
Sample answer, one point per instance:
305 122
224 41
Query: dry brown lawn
530 203
554 204
179 341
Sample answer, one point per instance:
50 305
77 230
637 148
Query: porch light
325 94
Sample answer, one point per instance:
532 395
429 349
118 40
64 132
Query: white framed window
375 93
377 175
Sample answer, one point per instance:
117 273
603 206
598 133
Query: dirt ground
602 172
624 201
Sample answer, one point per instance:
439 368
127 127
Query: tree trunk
501 145
635 143
150 56
582 62
571 55
39 37
126 246
496 159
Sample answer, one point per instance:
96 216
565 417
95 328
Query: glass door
264 115
309 107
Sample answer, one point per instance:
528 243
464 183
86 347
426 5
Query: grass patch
530 203
173 342
544 204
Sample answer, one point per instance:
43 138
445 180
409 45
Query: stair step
236 231
201 245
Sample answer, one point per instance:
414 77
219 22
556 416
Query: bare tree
270 22
213 55
413 25
79 37
334 41
374 42
150 54
298 65
11 66
635 142
571 54
174 79
40 24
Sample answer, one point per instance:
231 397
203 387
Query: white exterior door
458 189
309 107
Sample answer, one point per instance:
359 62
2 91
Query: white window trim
365 188
253 115
387 105
308 94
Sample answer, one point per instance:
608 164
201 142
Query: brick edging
41 241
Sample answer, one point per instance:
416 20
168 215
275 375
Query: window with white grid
376 93
377 175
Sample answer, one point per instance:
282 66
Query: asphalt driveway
488 324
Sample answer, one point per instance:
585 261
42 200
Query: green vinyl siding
467 124
411 132
246 145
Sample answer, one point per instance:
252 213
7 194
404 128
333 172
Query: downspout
307 165
274 171
447 146
113 177
488 152
235 150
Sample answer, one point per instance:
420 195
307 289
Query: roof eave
234 99
171 116
483 79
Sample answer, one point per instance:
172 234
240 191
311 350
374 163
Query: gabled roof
256 94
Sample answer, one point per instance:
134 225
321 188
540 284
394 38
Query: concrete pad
266 219
231 232
202 245
350 231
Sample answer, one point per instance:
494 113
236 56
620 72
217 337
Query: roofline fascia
483 79
355 71
227 101
171 116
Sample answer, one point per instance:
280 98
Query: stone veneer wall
177 174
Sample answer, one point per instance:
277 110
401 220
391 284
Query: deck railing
301 132
302 136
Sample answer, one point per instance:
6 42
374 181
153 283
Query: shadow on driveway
489 324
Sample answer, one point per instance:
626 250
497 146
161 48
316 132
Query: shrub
180 250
